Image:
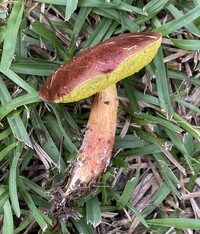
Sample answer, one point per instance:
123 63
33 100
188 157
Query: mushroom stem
95 152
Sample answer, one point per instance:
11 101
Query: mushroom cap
98 67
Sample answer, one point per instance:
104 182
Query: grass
152 182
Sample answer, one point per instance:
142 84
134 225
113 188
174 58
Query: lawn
152 183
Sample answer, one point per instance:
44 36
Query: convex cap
98 67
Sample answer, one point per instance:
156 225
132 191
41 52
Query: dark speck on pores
106 102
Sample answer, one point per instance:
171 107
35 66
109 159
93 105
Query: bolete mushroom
96 71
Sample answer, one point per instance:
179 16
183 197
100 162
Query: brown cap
100 66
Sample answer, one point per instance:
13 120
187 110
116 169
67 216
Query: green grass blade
93 213
160 120
168 175
70 145
19 130
7 149
186 44
36 69
194 131
176 13
128 87
17 102
183 77
26 160
82 226
4 195
118 5
77 28
58 2
36 188
146 98
149 137
179 22
30 203
176 140
182 223
188 105
188 142
128 142
49 145
55 132
5 133
136 213
154 6
71 6
18 80
104 193
158 198
24 223
99 33
16 124
13 177
13 25
127 192
146 150
162 85
46 33
21 46
8 224
113 14
192 180
179 145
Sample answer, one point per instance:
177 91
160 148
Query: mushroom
96 71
